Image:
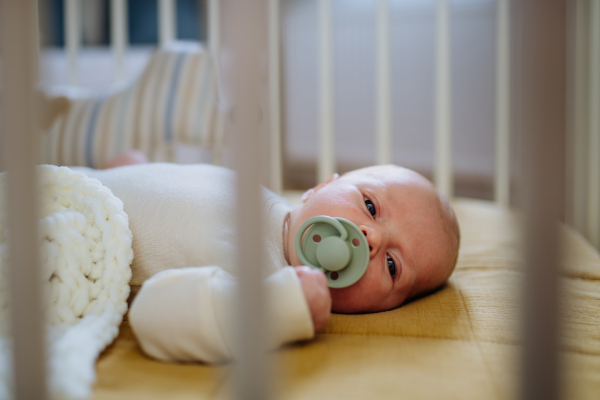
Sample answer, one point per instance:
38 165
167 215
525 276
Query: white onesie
183 223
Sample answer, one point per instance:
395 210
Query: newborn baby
183 314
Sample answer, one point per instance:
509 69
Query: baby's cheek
341 299
352 299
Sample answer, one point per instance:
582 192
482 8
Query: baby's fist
316 292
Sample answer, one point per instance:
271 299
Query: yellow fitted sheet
459 343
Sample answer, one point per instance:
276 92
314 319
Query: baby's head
411 229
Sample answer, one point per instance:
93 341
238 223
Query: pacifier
336 246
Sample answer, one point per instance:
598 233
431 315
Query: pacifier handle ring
311 221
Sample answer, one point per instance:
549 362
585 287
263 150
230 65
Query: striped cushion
175 101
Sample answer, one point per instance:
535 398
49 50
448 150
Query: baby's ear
308 194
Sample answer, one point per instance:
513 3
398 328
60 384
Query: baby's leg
129 157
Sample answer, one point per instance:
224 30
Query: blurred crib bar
326 164
246 40
593 206
443 176
118 37
275 134
214 30
542 123
383 121
578 198
583 166
502 178
19 53
73 39
167 28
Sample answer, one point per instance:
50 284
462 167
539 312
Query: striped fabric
175 101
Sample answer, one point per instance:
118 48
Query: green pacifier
336 246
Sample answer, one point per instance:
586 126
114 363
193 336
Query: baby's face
399 213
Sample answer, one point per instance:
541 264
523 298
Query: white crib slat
167 24
214 30
443 176
72 38
502 179
19 49
326 164
594 127
118 36
275 97
542 121
245 40
214 46
384 99
579 156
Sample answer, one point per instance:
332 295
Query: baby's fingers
311 273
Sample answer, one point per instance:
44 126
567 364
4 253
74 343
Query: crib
564 98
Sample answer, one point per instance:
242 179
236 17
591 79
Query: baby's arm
186 314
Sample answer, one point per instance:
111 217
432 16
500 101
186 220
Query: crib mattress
459 343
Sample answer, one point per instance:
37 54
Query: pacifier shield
320 245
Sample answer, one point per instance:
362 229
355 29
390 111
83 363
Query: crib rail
214 30
502 178
118 37
326 164
246 40
73 39
583 210
276 178
384 84
443 113
167 29
542 122
19 49
593 206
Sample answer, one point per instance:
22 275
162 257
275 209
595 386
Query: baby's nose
373 238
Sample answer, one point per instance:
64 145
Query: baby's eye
370 206
391 265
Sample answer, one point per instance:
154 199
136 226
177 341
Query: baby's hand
314 286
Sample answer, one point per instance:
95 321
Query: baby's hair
450 223
452 231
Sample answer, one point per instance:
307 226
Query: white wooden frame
19 52
443 176
119 37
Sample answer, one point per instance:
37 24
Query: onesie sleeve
186 314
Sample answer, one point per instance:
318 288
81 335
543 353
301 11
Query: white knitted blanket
85 257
